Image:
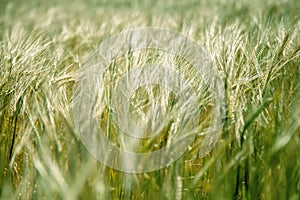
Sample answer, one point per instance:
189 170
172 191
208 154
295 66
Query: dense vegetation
254 44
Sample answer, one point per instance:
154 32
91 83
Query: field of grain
255 46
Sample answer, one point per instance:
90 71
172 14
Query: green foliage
255 46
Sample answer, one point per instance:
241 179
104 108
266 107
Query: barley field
255 46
